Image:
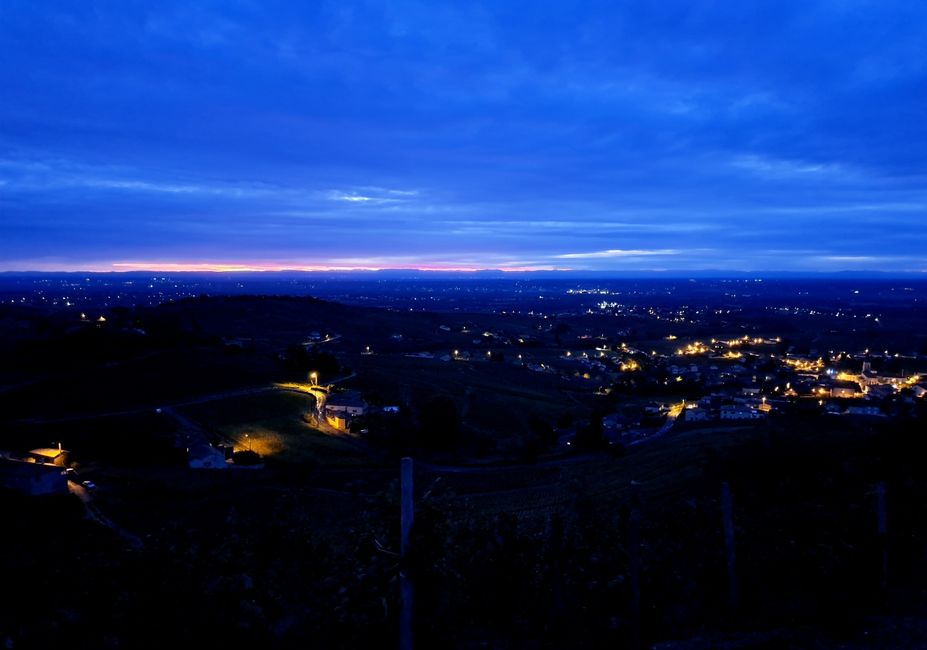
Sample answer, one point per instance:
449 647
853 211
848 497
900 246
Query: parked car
90 485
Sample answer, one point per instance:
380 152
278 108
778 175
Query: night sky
677 135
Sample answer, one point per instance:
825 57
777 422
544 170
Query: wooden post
406 517
727 518
882 531
407 512
558 624
634 565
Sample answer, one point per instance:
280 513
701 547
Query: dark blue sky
746 135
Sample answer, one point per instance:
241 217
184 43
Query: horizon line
220 270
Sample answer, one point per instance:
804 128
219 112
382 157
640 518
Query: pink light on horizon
216 267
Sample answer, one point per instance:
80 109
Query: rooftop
347 398
47 452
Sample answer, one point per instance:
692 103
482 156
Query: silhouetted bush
246 457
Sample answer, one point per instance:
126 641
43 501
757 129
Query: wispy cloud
58 174
617 253
371 195
849 258
779 168
147 186
573 227
373 263
873 259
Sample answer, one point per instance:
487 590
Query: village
636 390
148 427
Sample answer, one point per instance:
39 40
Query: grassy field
664 469
272 425
491 396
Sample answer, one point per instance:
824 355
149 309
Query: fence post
882 531
406 517
634 564
555 535
727 518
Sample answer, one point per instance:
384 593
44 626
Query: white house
734 412
349 403
32 478
201 455
697 414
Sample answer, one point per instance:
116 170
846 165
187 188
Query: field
272 424
496 398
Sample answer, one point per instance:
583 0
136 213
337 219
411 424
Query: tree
439 422
300 360
559 330
246 457
591 436
542 430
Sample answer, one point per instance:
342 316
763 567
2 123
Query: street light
248 438
314 377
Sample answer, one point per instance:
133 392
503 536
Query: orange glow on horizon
213 267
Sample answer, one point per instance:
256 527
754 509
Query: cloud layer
783 135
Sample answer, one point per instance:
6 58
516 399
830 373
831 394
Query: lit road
320 392
203 399
79 491
671 416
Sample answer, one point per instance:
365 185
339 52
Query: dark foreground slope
553 555
587 550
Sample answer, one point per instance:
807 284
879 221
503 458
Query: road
193 431
670 421
94 513
310 344
319 391
212 397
